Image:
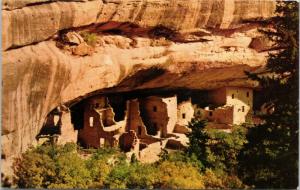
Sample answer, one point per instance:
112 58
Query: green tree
34 170
179 175
214 148
50 166
270 159
198 140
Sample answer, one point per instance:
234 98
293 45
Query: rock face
212 51
30 24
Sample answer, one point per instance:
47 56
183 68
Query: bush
89 38
214 180
62 167
34 170
117 178
71 172
179 175
51 167
142 176
214 148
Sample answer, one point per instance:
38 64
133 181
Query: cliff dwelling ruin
144 125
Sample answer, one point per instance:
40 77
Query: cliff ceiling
140 44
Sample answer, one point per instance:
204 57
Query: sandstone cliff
210 48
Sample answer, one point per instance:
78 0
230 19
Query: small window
232 96
243 108
154 109
183 116
210 113
91 121
247 94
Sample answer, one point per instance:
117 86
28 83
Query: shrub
214 148
117 178
216 179
142 176
89 38
61 167
179 175
51 167
101 163
34 170
71 172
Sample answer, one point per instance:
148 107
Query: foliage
101 163
51 167
179 156
270 159
89 38
135 175
34 170
179 175
223 148
142 176
218 179
70 172
64 167
198 140
214 148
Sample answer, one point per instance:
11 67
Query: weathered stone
73 38
260 44
38 77
83 49
37 23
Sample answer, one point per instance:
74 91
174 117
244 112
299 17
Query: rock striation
31 24
212 47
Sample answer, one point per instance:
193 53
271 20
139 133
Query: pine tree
270 159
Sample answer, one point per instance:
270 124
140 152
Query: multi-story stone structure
233 106
156 122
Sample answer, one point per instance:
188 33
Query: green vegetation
263 156
214 148
270 159
216 153
89 38
52 166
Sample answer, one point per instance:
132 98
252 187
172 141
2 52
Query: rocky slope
211 46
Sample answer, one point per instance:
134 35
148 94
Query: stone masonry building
152 123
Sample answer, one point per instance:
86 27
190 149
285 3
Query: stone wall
223 115
242 100
171 105
185 112
128 141
134 121
150 154
159 114
68 134
218 97
183 129
94 132
107 116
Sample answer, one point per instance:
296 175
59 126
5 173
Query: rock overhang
213 51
